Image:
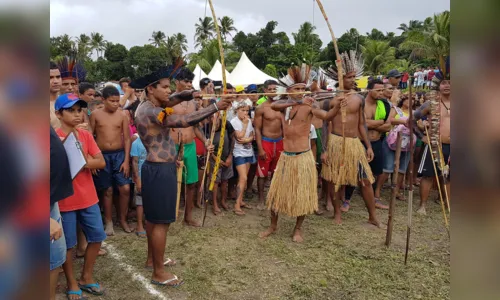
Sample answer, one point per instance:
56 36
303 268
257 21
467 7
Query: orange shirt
85 194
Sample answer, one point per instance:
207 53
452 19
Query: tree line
421 43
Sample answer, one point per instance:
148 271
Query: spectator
138 154
54 88
243 152
82 207
404 80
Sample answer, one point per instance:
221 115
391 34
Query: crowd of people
308 152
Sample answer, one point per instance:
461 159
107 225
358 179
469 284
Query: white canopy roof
216 73
246 73
198 75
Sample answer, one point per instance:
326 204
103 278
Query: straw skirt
293 188
351 169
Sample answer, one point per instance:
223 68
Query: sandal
78 293
140 233
247 206
167 263
92 288
345 206
166 282
239 212
380 205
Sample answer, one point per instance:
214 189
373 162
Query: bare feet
319 212
108 228
192 223
268 232
261 206
422 211
125 227
337 219
374 222
81 254
380 205
224 205
329 205
297 236
247 206
216 210
239 212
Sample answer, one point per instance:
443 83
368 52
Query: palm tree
412 25
66 45
205 31
305 34
434 42
207 56
377 55
158 39
83 42
97 43
181 42
226 25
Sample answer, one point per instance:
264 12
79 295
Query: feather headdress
169 72
71 68
440 76
297 76
351 62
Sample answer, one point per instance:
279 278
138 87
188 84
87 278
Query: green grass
227 260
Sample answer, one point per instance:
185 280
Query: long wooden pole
411 166
392 204
340 74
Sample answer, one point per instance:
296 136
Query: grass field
227 260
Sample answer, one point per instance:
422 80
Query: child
226 165
110 126
82 207
139 155
95 104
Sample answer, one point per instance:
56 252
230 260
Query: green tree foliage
204 31
226 26
377 55
271 70
158 39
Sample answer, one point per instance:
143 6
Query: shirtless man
269 138
184 82
110 126
54 88
159 181
357 170
293 188
426 169
378 124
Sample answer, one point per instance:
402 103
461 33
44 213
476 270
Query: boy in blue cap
82 207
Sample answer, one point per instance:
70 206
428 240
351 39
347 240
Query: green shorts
419 143
190 172
319 143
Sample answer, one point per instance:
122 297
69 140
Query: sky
132 22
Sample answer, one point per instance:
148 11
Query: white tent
216 73
246 73
198 75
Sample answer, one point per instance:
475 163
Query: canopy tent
216 73
246 73
362 82
198 75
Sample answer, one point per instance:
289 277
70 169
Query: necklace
447 109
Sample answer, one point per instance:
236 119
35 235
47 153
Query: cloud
131 22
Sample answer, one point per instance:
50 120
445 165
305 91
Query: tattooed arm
183 96
281 105
422 111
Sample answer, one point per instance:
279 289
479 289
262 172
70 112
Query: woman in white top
243 154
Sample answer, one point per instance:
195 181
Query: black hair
229 86
124 79
53 65
269 82
373 82
85 86
204 82
110 91
185 74
94 103
132 108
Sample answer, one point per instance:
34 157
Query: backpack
405 135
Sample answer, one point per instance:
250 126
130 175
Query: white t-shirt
242 150
312 134
420 76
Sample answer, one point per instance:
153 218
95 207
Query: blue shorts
240 160
111 174
90 221
57 247
390 156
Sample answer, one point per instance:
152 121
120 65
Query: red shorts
273 149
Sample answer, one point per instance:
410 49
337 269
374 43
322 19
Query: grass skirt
293 188
355 165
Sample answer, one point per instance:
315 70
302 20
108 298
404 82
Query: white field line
115 254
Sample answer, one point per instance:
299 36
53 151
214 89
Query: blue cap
252 88
67 101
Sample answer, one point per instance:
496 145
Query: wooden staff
444 172
340 74
332 93
411 166
392 204
180 167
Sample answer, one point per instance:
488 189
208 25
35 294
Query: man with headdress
154 119
72 73
437 110
293 188
349 168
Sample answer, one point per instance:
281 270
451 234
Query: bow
340 73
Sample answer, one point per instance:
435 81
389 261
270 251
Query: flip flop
239 212
345 206
247 206
78 293
168 263
140 233
89 288
102 250
166 282
380 205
